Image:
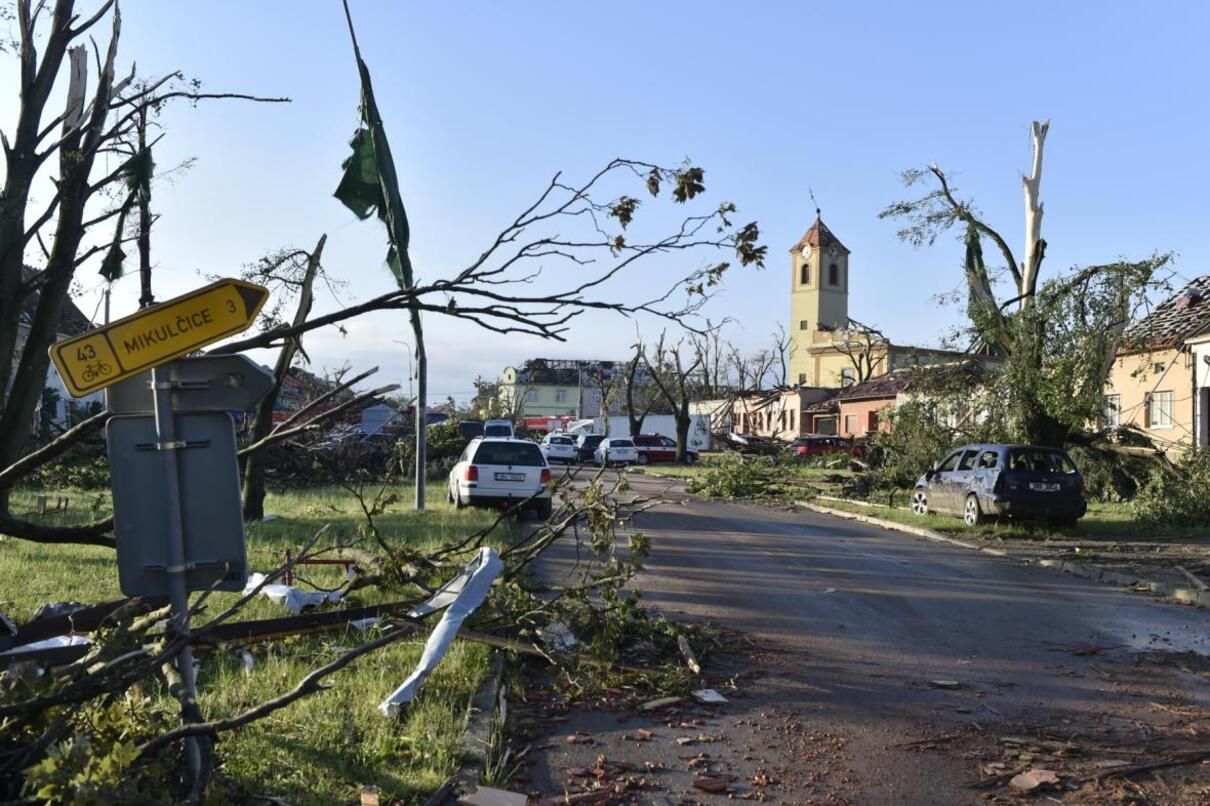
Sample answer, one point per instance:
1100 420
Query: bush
735 476
1180 498
915 443
443 444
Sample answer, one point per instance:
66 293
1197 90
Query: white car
559 448
616 451
501 472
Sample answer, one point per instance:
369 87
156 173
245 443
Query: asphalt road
855 636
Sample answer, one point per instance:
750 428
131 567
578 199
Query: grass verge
324 748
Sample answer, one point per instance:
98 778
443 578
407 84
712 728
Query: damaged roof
887 385
1180 317
72 321
819 236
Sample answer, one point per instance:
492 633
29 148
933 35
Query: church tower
819 298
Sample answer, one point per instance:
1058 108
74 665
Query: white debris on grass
460 597
708 695
294 600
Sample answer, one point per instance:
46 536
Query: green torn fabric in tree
137 171
369 182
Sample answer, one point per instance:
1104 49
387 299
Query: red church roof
819 236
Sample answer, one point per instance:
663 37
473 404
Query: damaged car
1003 481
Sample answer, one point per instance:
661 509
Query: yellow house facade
1161 384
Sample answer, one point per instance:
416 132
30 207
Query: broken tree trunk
254 464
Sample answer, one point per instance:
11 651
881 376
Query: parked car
753 444
501 472
1014 481
586 446
658 448
470 428
818 445
501 429
616 451
559 448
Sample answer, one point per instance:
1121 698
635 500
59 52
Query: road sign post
178 593
143 342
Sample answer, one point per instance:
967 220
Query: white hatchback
501 472
616 451
560 448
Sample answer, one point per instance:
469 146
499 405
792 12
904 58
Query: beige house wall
854 418
1135 377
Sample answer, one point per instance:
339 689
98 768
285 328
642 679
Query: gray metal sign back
204 383
210 503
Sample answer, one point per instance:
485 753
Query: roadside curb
1084 570
476 740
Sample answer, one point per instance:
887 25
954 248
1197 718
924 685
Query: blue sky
483 102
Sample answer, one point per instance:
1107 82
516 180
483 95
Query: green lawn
1104 521
324 748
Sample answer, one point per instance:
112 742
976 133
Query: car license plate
510 477
1043 487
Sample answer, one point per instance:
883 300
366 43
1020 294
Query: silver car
616 451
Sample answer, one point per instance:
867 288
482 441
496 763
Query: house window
560 395
847 377
1160 410
791 419
596 397
802 379
533 395
804 276
872 422
804 324
1113 411
850 424
833 274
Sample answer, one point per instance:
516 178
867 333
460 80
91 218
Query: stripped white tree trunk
1033 218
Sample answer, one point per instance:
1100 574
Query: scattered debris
662 702
715 786
690 659
709 696
944 683
293 599
1197 581
558 636
1033 778
472 585
490 796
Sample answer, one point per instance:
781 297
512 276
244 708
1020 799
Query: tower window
804 277
833 274
847 377
803 324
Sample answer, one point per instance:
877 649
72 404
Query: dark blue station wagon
1013 481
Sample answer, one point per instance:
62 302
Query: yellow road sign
156 335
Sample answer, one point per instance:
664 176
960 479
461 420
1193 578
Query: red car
657 448
818 445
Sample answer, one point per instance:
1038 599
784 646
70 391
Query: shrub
1180 498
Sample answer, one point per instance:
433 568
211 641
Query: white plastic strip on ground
461 596
294 600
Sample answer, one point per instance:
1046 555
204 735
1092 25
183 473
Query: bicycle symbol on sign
95 370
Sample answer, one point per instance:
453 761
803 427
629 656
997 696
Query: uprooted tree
1057 338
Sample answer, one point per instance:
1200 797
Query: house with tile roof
1159 382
